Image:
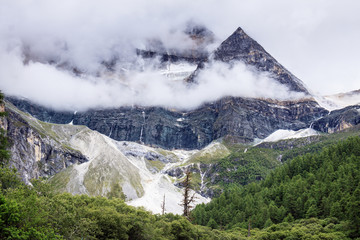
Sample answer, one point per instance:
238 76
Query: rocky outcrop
33 154
242 118
173 56
199 36
206 174
338 120
40 112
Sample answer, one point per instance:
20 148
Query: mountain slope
36 148
244 119
81 161
149 160
142 174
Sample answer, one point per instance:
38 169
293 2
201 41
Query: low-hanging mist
315 40
62 90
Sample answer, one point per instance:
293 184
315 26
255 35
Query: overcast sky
317 40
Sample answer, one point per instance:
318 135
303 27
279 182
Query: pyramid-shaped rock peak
238 45
241 47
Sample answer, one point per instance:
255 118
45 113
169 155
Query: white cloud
59 89
316 40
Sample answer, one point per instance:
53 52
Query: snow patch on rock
178 71
282 134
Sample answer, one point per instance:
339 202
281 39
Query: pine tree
212 224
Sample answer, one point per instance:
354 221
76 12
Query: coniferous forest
324 185
316 196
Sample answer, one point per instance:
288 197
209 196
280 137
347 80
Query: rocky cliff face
33 153
242 118
339 120
40 112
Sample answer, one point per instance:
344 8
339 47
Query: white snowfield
178 71
282 134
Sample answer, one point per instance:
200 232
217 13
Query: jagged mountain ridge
243 118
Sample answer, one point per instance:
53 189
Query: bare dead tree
188 199
163 206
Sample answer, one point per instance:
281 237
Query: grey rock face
153 126
208 175
242 118
338 120
42 113
174 56
34 155
176 172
